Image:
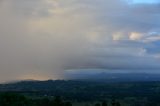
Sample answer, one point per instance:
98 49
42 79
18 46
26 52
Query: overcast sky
41 39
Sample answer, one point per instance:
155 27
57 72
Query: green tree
118 103
58 101
45 102
68 104
113 102
104 103
12 99
97 104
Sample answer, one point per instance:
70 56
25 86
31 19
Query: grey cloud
43 38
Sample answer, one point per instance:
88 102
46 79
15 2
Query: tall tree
97 104
12 99
104 103
113 102
118 103
58 101
68 104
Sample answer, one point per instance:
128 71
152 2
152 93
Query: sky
145 1
44 39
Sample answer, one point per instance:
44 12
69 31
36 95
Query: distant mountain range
118 77
78 80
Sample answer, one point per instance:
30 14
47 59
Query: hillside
84 90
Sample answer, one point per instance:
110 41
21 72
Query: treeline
80 93
85 90
13 99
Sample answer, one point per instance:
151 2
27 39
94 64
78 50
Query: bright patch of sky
145 1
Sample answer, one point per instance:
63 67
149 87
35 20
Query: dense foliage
80 93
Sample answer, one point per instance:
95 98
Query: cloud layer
41 39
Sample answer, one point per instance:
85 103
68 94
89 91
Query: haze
44 39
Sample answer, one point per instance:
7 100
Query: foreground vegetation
12 99
80 93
